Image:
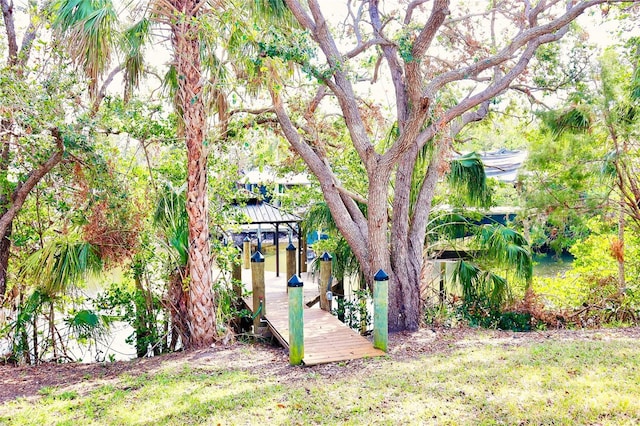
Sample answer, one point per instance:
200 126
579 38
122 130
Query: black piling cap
291 247
325 257
294 281
381 275
246 239
257 257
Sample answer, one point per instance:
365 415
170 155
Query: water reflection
548 265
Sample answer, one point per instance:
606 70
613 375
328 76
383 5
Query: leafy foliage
62 263
129 304
467 175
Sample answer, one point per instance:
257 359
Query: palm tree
183 19
196 71
171 217
90 28
62 263
499 247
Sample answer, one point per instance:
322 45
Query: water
548 266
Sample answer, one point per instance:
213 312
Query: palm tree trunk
177 306
622 287
186 47
52 331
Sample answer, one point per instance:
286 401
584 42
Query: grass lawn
481 378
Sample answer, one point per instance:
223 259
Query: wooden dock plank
326 338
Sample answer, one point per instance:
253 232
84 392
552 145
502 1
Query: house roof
267 175
503 164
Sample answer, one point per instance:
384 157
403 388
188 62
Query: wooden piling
246 252
325 276
339 295
380 310
291 261
258 289
443 277
296 321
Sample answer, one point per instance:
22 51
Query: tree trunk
177 307
5 250
186 46
622 286
145 323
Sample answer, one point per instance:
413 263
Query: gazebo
258 212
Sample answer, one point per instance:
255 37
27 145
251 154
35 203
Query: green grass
480 382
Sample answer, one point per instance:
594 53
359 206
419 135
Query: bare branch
438 14
364 46
550 31
352 230
391 55
103 89
356 197
255 111
9 25
410 8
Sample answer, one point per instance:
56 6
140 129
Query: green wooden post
291 261
236 276
257 284
380 310
325 276
303 258
296 321
246 252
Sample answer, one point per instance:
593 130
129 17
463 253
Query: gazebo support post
276 241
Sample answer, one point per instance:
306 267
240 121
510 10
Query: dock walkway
326 339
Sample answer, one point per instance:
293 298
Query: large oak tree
441 63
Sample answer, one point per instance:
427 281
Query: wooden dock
326 339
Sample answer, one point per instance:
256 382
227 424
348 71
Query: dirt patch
272 361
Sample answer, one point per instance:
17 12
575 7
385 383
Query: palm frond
576 119
418 174
86 324
88 27
497 289
344 262
318 217
171 216
468 276
134 39
508 247
62 263
449 225
272 11
479 286
635 84
467 175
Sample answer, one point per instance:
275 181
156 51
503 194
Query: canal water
549 266
115 347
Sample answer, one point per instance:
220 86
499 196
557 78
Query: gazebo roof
260 212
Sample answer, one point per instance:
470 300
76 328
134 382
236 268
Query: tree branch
22 191
356 197
352 230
